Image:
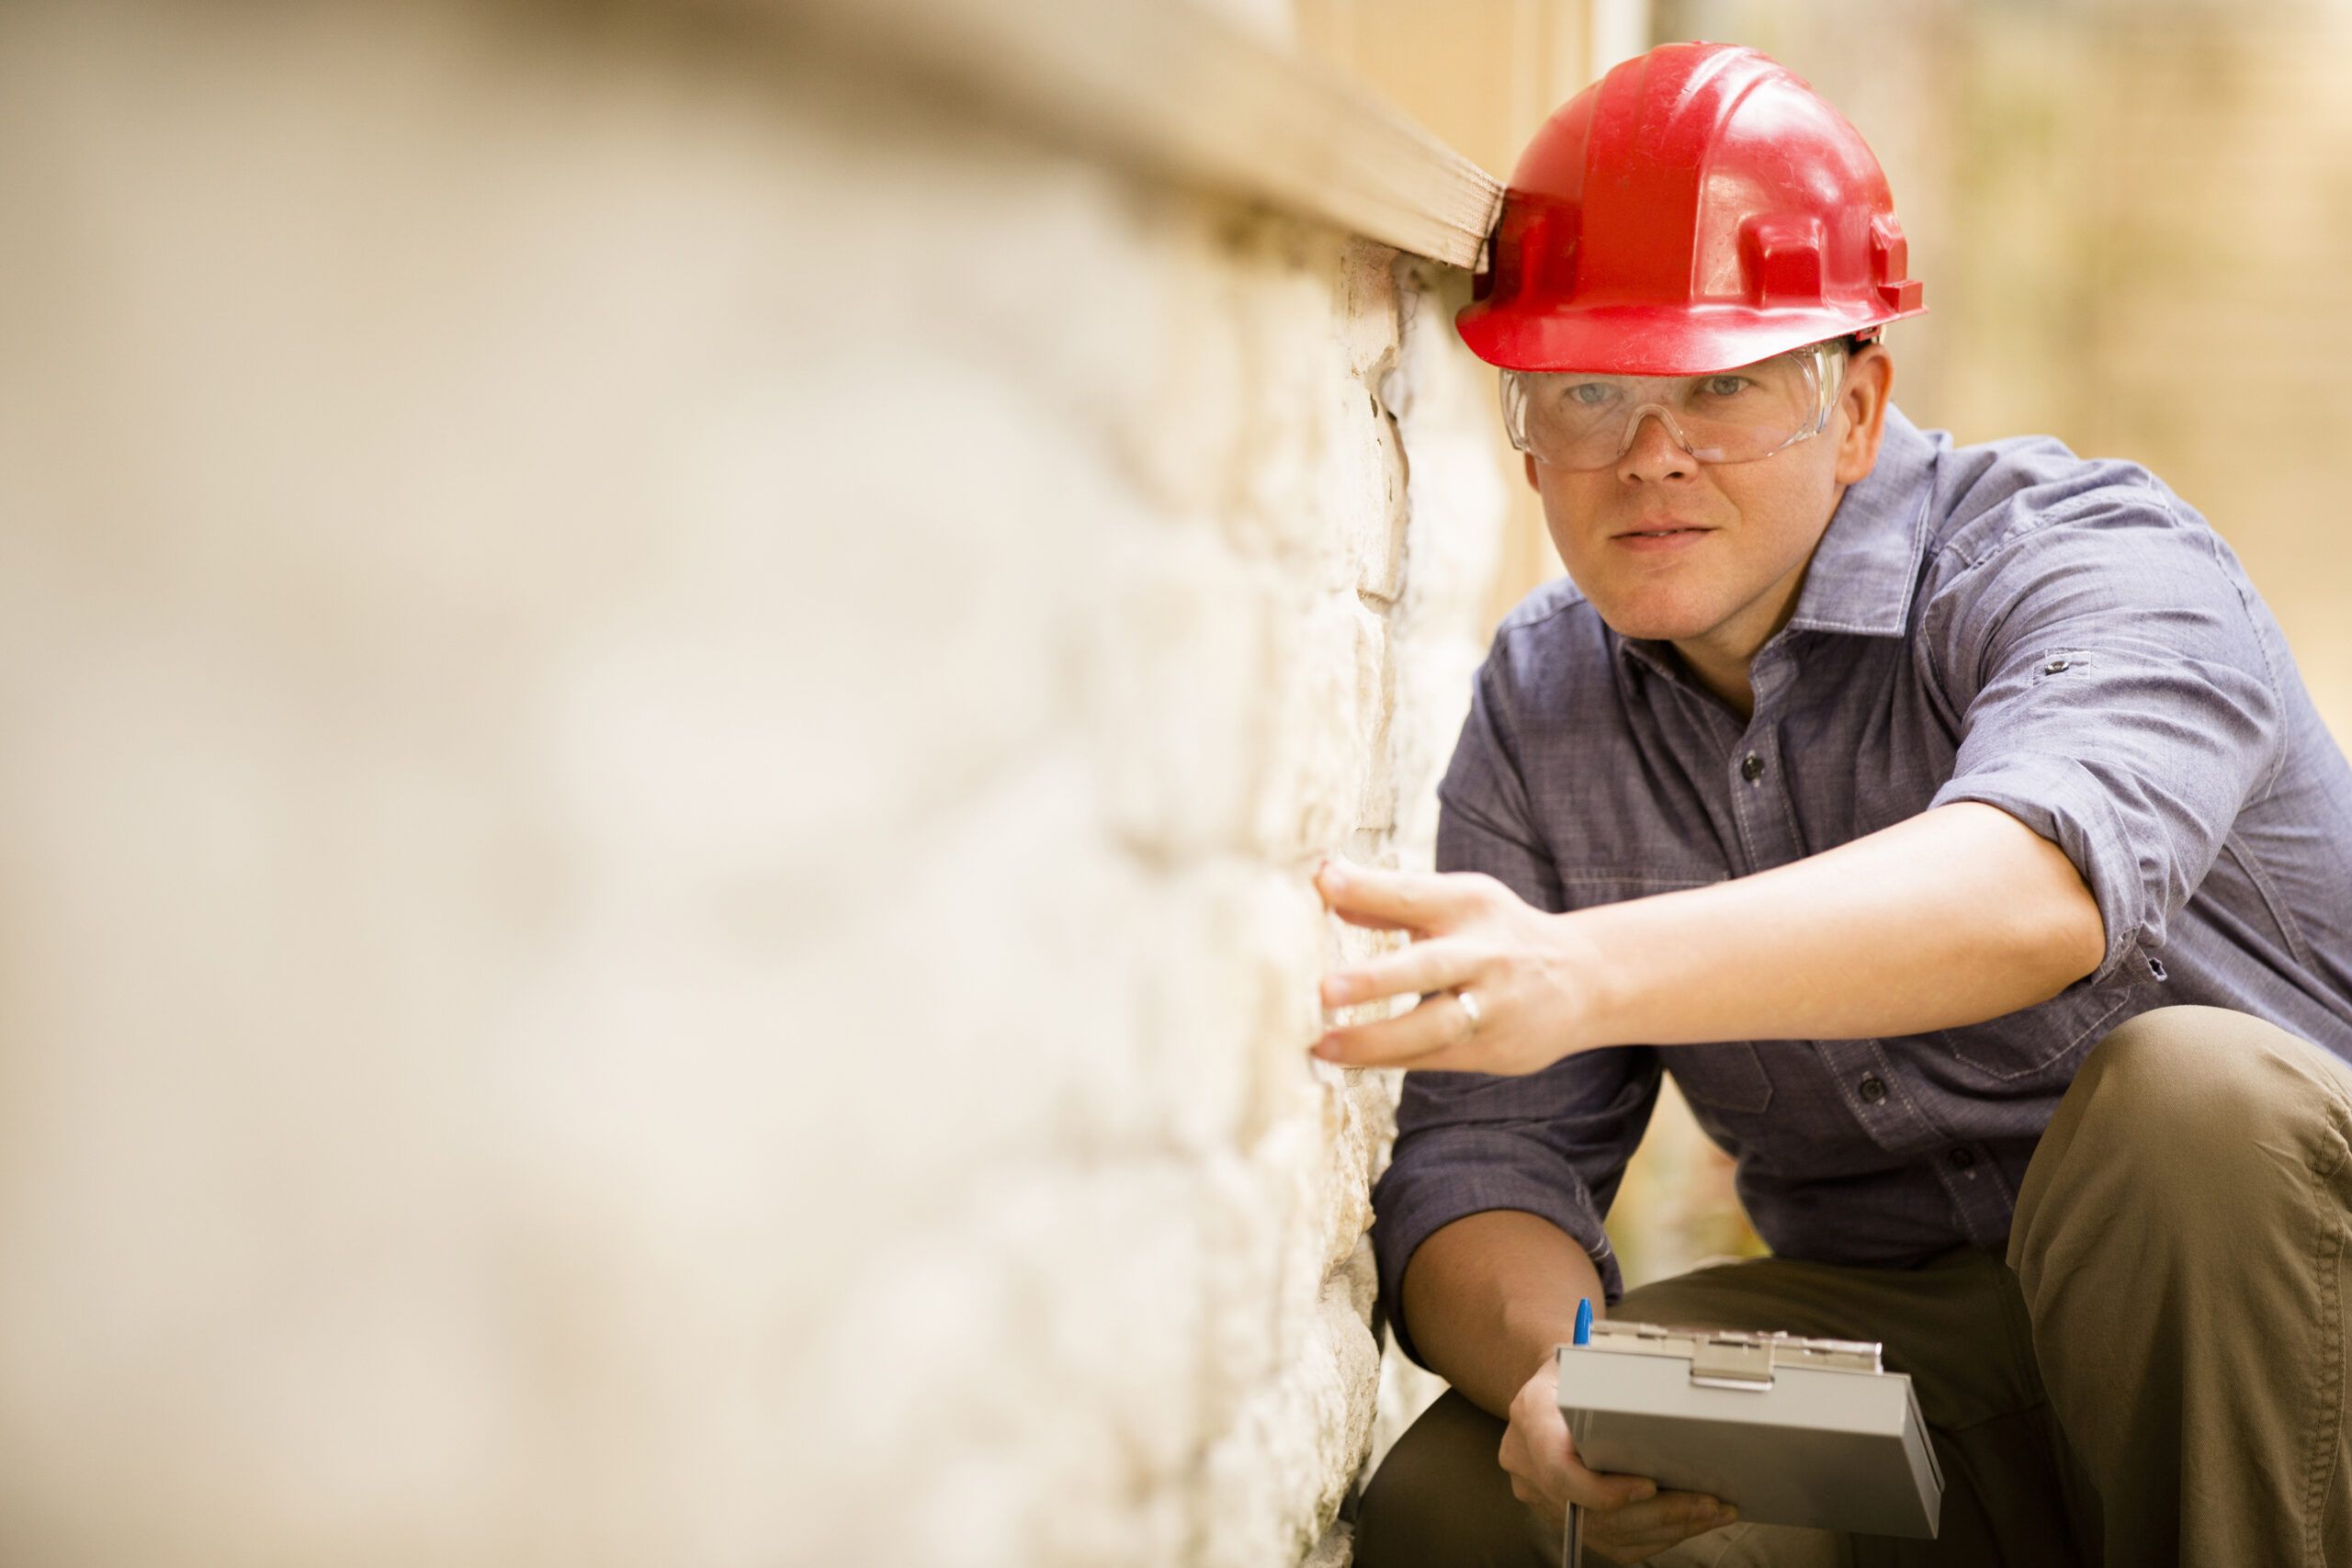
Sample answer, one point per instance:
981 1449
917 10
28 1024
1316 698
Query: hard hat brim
1652 339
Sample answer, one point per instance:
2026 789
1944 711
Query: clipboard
1788 1430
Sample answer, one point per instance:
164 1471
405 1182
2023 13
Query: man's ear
1530 473
1870 382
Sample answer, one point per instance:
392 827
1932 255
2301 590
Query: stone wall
668 707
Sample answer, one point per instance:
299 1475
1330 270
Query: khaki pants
2156 1374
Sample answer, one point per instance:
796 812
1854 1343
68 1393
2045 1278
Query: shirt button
1871 1089
1961 1159
1751 767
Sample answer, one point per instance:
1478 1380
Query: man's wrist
1601 989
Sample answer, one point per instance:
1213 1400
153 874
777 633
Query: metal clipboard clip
1734 1359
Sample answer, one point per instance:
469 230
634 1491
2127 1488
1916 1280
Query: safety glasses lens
1578 420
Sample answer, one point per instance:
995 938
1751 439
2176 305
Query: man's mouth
1666 537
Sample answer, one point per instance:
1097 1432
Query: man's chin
1655 622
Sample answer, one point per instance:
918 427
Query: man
1950 822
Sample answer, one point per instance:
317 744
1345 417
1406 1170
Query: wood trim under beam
1179 88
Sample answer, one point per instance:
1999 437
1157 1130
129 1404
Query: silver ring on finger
1469 1009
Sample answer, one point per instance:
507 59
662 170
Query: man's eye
1723 386
1590 394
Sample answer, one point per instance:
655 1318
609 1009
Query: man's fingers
1607 1490
1372 923
1434 966
1658 1522
1622 1491
1433 1034
1388 900
1686 1511
1627 1518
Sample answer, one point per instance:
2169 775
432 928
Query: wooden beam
1178 88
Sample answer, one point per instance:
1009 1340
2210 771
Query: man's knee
2192 1114
1442 1497
2191 1088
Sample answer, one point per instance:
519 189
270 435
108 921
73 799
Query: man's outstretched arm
1955 916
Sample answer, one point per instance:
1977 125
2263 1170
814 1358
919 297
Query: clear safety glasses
1577 420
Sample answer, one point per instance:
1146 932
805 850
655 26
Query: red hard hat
1697 207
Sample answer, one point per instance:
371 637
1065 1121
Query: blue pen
1572 1549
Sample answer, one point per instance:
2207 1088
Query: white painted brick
1364 308
1377 687
1372 470
1323 687
1178 635
1335 1549
1277 1478
1443 398
1367 463
1004 1385
1177 415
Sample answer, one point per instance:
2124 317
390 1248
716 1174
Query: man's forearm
1955 916
1488 1297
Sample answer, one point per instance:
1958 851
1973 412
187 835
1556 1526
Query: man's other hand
1627 1518
1529 976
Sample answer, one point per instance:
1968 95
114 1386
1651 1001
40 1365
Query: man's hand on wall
1627 1518
1532 984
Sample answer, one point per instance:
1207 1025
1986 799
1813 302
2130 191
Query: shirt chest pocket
2026 1044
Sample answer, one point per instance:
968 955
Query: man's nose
1654 453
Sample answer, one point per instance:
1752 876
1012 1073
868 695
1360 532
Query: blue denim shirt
2058 637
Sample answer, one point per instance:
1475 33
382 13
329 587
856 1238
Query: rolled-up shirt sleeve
1552 1144
2118 696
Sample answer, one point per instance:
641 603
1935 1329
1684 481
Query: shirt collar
1867 565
